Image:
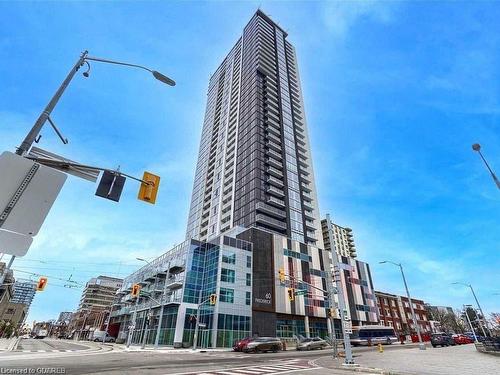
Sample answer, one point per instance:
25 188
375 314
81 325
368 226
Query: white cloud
340 16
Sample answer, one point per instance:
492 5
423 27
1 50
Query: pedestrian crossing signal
149 188
42 283
291 294
136 290
213 299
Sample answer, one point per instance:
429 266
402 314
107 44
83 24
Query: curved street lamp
477 147
45 115
421 344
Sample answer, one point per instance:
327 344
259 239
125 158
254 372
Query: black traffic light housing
111 186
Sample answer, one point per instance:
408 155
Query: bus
373 335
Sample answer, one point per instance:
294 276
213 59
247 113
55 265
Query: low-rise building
395 311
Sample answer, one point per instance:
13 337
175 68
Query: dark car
263 344
441 339
240 344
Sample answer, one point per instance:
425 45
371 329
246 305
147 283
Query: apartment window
227 275
249 279
385 301
229 258
249 261
393 303
226 295
248 298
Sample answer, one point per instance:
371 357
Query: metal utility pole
340 293
470 324
421 344
477 147
196 327
162 300
132 326
483 320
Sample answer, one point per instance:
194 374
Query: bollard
380 348
369 342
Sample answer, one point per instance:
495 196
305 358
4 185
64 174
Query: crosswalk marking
274 368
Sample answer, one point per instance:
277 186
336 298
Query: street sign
202 325
58 162
17 244
27 192
347 326
300 292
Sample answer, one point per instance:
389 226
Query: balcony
175 282
269 221
273 145
274 181
274 154
307 205
276 202
262 207
274 172
275 191
274 163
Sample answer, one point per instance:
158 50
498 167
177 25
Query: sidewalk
463 360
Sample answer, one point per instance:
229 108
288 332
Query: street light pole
477 147
478 305
134 317
35 130
421 344
468 321
45 115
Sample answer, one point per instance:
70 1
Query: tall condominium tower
254 165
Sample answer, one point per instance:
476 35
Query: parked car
99 335
462 339
263 344
240 344
312 343
441 339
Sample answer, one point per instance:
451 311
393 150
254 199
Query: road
95 358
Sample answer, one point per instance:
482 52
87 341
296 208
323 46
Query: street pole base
350 365
421 346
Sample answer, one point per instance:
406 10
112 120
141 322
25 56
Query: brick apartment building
394 311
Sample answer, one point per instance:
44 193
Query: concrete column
179 324
306 324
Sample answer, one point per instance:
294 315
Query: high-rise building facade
254 165
343 240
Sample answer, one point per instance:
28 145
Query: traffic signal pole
132 327
335 277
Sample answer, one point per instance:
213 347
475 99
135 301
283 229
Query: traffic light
281 275
291 294
110 186
42 283
213 299
136 290
149 188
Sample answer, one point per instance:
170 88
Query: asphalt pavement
110 359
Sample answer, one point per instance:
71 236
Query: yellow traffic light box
281 275
213 299
42 283
291 294
149 188
136 290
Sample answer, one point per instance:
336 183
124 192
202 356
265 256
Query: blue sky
395 95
